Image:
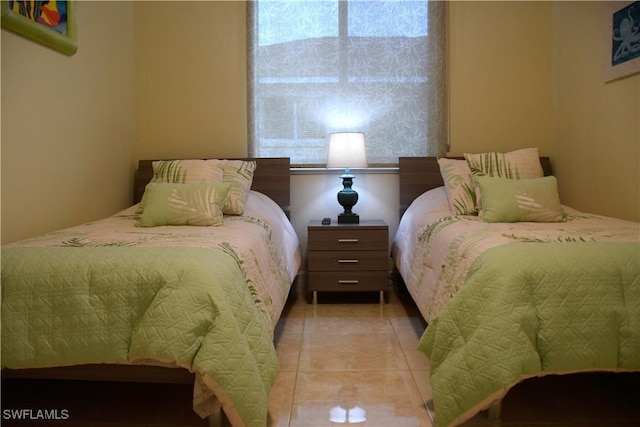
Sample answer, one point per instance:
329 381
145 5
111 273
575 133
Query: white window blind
317 67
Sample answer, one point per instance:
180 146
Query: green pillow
184 172
520 200
183 204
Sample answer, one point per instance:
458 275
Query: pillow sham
183 204
459 186
520 200
519 164
187 171
239 174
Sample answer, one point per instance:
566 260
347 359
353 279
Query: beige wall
500 76
596 125
67 125
190 79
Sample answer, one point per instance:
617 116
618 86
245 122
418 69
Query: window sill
358 171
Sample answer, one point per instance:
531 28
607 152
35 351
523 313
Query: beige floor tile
281 399
374 398
290 325
409 330
416 359
288 350
336 324
351 352
348 310
421 377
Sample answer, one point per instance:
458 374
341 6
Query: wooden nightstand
348 257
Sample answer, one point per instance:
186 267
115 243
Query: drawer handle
348 282
347 261
348 240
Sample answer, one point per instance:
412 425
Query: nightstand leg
381 297
314 300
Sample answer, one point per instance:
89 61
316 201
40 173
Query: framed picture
622 45
51 23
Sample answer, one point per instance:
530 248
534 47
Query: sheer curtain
317 67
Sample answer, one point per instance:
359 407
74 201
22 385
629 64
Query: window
317 67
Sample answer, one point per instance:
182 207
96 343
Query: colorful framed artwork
51 23
622 45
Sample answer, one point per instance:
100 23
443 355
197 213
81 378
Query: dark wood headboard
271 177
419 174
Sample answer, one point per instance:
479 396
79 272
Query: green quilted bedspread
125 305
531 309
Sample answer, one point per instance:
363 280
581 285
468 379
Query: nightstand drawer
348 260
349 281
348 239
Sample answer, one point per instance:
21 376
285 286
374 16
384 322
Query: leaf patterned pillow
519 164
183 204
458 185
238 173
520 200
187 171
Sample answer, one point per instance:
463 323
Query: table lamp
347 150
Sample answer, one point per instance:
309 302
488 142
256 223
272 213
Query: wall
596 125
67 125
500 75
190 79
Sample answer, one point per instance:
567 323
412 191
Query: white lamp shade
347 150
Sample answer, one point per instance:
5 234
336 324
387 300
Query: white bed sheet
426 208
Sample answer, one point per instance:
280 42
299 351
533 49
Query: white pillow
459 186
519 164
238 173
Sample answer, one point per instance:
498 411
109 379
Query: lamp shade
347 150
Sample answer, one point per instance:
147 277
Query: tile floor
347 360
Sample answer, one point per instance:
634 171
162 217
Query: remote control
326 221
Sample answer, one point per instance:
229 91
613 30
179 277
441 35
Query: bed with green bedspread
206 299
509 301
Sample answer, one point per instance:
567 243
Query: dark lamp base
351 218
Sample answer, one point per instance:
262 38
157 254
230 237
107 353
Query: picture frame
622 39
50 23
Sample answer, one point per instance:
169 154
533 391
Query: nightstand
348 257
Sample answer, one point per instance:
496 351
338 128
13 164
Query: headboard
419 174
271 177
